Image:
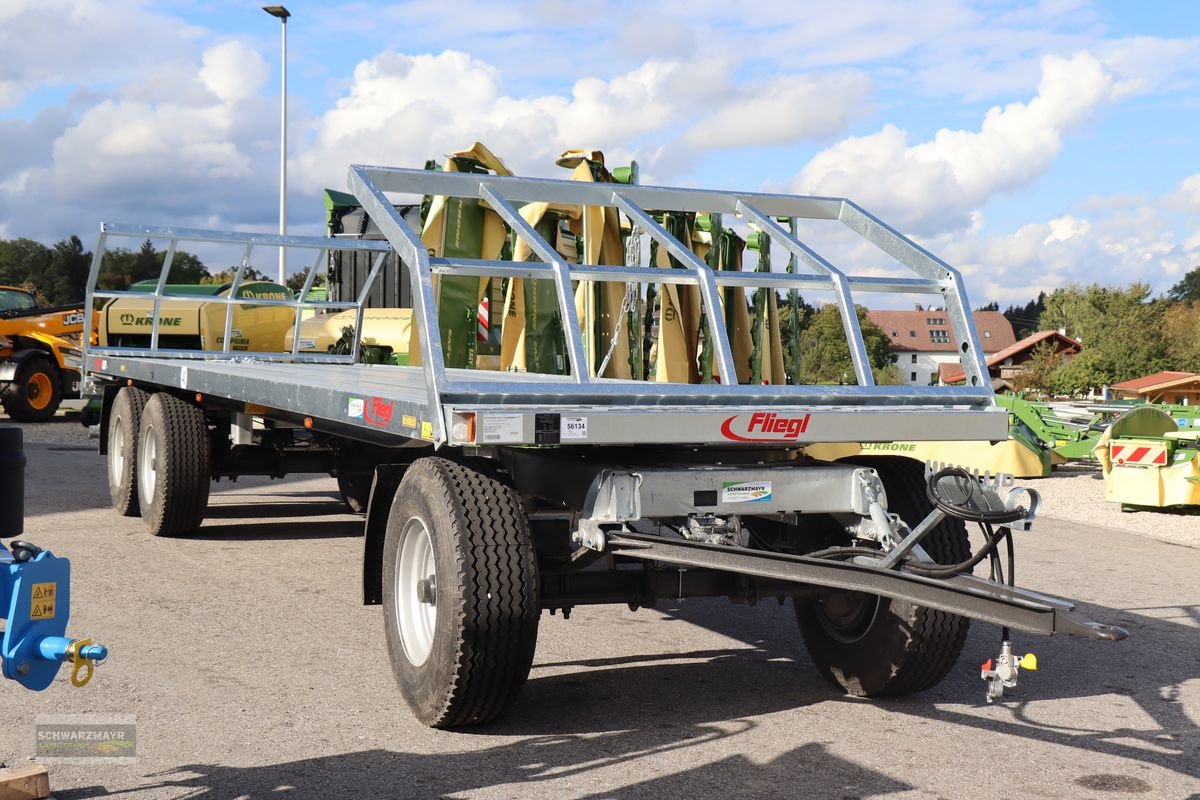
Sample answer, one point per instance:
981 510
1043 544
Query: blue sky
1031 144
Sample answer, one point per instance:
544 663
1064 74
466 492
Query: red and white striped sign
481 321
1138 454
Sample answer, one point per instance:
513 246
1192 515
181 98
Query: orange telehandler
39 354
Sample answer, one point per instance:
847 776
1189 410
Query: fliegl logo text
765 426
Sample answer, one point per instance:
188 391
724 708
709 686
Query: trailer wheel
459 594
172 464
875 647
123 423
35 393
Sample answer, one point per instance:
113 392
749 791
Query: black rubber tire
903 648
36 391
486 598
176 504
355 488
124 422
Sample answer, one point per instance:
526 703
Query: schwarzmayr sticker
747 492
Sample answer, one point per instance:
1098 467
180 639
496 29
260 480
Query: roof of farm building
1157 380
929 330
953 373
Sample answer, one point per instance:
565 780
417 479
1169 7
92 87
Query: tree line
1126 333
58 274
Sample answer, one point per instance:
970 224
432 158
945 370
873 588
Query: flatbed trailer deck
382 402
491 496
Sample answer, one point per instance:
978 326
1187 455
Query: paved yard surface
254 671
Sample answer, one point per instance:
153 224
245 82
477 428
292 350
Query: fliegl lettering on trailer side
765 426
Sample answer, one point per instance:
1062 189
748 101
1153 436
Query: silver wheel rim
116 451
147 464
416 591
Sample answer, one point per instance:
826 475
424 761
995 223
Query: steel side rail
969 597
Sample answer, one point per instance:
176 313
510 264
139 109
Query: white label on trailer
573 428
354 407
500 428
183 377
746 492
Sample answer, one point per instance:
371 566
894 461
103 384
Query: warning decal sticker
43 596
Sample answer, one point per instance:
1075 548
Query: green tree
1188 288
1181 328
121 268
1121 331
185 268
1037 372
791 328
226 276
1024 319
1079 376
295 281
23 261
68 272
992 306
825 356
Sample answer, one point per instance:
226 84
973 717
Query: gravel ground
1075 492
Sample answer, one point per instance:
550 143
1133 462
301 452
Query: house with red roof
922 340
1168 386
1007 364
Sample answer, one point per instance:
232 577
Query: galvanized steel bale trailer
496 495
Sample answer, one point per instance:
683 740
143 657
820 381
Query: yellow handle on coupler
84 667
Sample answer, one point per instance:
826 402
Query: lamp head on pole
277 11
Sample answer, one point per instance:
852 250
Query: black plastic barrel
12 481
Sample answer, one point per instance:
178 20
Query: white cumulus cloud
53 42
402 109
932 186
1121 243
182 153
784 110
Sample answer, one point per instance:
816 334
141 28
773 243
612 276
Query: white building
922 339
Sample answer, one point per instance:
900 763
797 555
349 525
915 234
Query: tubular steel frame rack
510 408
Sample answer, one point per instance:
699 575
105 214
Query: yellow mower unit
1149 462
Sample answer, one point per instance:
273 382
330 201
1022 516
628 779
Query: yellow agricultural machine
39 354
1149 461
384 336
187 324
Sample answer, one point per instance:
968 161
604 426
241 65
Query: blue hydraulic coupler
35 591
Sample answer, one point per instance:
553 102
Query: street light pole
282 14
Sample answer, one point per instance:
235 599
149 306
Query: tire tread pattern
913 647
937 636
497 614
129 404
184 471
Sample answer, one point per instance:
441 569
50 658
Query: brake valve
1001 673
